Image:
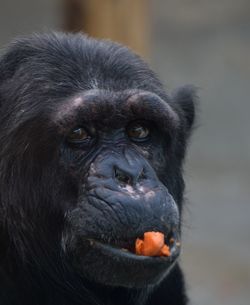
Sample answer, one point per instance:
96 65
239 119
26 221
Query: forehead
113 109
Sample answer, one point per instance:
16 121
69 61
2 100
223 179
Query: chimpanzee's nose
127 177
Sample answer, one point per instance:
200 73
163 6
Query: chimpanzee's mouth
127 247
95 258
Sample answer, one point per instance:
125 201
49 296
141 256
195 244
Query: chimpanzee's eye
138 132
78 135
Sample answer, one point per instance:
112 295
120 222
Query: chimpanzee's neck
121 296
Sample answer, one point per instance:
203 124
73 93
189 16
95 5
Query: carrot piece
138 246
165 251
152 245
153 242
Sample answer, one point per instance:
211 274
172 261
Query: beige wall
19 17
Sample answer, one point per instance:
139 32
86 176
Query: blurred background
205 43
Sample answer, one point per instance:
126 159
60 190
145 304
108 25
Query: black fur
48 187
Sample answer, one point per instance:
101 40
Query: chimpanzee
91 158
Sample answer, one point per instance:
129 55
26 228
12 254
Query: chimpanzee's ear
186 98
11 58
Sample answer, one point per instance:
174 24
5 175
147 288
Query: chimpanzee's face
116 152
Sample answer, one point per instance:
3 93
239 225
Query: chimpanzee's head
91 155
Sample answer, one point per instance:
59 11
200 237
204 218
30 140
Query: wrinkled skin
72 208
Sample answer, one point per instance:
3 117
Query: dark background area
205 43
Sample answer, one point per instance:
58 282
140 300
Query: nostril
142 175
122 177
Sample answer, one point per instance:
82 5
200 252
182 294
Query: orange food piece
165 251
152 245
